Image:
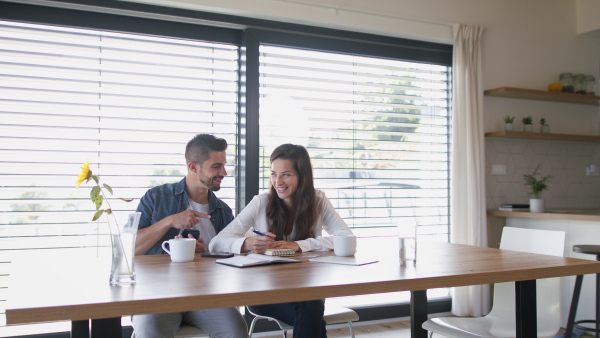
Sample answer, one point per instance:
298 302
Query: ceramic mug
180 249
344 245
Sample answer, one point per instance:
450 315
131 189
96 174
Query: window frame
248 34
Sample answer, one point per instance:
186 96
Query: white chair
501 322
333 315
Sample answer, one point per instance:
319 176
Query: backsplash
565 161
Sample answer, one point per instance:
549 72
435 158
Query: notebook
343 260
254 260
280 252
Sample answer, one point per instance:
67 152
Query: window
126 103
376 129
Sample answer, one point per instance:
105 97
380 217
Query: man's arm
147 237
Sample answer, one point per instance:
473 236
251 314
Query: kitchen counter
582 226
558 214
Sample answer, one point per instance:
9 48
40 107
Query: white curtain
468 165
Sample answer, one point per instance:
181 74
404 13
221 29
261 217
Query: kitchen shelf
543 136
543 95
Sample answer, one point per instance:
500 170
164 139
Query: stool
590 250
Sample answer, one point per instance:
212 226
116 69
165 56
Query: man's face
212 171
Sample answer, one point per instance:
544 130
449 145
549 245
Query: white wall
527 43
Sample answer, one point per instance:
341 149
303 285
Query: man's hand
257 243
200 246
186 219
147 237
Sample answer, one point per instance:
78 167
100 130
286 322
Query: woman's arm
233 237
329 220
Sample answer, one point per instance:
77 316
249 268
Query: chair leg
251 330
351 329
574 303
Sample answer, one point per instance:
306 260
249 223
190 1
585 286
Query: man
190 203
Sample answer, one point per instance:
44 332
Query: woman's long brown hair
304 213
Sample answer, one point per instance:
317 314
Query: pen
258 232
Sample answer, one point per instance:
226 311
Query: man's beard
212 186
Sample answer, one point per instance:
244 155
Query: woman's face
284 179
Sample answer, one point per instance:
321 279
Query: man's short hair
198 149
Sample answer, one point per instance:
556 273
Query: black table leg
526 309
597 301
107 327
418 313
80 329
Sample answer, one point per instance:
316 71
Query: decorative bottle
566 80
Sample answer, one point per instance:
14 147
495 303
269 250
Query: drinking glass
407 242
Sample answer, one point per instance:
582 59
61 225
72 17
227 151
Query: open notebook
255 259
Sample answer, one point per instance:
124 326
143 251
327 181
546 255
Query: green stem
118 231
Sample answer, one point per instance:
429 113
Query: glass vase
122 271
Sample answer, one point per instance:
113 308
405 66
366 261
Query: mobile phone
217 254
194 232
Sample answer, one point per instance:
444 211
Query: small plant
536 182
97 194
528 120
543 121
509 119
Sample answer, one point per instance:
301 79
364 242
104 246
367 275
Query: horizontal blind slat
127 103
377 131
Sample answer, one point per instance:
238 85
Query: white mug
344 245
180 249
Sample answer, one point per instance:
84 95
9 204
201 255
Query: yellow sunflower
85 175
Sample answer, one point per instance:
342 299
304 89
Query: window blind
377 131
126 103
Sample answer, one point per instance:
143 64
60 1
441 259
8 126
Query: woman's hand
284 245
258 243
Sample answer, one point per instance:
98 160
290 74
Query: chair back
545 242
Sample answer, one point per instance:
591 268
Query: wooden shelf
543 136
543 95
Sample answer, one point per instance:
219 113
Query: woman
292 215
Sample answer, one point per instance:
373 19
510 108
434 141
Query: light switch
498 169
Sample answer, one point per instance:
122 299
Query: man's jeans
221 323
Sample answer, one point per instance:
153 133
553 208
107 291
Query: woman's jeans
305 317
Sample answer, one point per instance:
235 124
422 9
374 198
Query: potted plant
537 183
527 123
508 123
544 128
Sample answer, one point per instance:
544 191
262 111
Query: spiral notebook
280 252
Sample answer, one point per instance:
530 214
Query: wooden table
81 292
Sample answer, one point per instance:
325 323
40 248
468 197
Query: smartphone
194 232
217 254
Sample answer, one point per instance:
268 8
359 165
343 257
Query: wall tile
565 161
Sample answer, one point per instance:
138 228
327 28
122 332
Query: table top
48 291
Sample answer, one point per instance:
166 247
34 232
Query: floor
379 329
